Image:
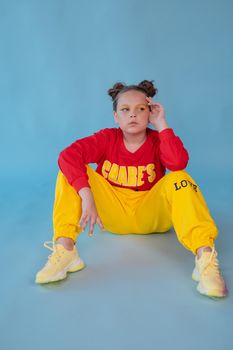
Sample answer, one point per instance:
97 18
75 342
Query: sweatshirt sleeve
73 159
173 155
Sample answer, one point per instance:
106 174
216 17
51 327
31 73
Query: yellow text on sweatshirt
128 175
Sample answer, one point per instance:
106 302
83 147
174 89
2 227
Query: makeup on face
124 106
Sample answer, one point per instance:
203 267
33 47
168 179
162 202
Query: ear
115 117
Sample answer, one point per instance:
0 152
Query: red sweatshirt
138 170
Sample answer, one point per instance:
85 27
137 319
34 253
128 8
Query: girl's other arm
72 160
173 155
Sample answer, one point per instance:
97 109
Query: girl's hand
89 212
157 114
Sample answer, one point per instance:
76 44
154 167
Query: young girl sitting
129 191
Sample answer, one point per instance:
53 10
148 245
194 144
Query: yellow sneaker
208 274
59 263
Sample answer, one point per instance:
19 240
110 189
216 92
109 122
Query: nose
132 115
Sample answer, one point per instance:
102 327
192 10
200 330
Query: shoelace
46 245
213 261
55 256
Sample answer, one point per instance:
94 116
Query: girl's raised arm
172 153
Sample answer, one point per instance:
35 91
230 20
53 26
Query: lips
133 123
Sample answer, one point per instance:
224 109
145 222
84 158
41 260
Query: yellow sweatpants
175 200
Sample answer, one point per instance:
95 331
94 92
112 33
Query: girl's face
133 112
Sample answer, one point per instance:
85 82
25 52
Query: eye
124 108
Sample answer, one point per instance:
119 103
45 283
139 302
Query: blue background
57 61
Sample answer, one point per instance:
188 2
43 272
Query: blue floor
135 292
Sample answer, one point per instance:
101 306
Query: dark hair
145 87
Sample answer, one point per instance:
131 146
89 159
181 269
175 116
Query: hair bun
117 87
148 87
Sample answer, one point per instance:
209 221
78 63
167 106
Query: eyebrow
139 104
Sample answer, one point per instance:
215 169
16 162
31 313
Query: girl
129 191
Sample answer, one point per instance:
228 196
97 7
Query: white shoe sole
74 266
196 275
211 293
203 291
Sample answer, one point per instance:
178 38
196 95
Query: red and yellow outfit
131 191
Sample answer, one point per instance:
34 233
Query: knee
181 178
92 175
60 176
89 169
